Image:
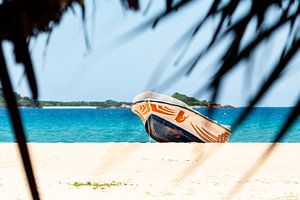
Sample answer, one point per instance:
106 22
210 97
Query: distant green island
29 103
193 102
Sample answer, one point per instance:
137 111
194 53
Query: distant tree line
28 102
192 101
22 101
101 104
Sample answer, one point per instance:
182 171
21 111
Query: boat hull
167 122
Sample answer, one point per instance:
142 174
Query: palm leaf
17 124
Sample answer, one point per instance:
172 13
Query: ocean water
121 125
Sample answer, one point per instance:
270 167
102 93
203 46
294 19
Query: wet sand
154 171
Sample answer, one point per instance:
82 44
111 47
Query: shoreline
69 107
154 170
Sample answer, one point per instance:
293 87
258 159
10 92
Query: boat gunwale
188 108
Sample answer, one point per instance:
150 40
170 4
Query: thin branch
17 124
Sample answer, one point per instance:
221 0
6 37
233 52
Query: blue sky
121 70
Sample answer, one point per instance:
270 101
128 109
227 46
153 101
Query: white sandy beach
154 171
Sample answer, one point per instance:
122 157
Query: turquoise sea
121 125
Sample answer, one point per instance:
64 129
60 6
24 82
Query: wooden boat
167 119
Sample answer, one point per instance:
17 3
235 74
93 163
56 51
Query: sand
154 171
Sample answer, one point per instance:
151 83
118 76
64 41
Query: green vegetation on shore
101 104
22 101
28 102
191 101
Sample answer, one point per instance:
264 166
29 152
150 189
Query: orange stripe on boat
147 109
220 138
210 134
212 139
180 117
223 137
140 115
200 135
168 109
163 108
207 136
156 109
142 108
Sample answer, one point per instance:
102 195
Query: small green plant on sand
97 185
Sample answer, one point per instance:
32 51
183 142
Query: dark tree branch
276 74
17 124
